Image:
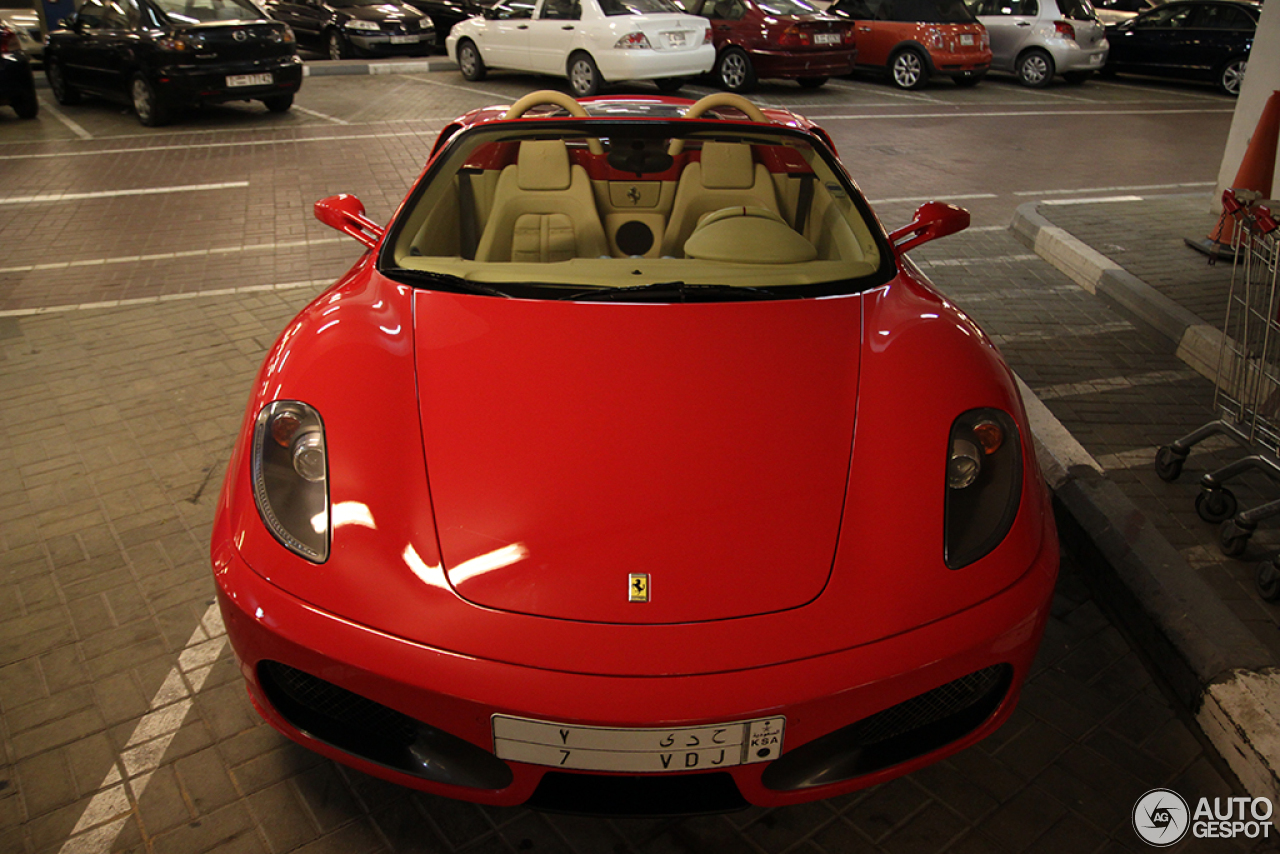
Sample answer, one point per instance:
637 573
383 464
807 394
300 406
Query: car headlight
290 477
284 35
984 484
362 25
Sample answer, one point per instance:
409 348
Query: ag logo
1161 818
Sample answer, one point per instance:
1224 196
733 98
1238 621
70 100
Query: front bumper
382 44
815 63
212 84
445 701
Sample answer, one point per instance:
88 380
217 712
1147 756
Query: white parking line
1142 457
1186 185
319 115
988 259
1106 384
52 109
149 150
123 303
169 256
111 194
107 812
947 196
1053 334
1016 114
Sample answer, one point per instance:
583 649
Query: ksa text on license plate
635 750
249 80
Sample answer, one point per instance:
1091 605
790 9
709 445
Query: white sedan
588 41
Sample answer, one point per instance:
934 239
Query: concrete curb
1218 669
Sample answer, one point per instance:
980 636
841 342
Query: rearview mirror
345 212
932 220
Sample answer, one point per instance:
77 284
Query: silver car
1036 39
22 16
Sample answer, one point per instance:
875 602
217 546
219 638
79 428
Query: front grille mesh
339 704
929 707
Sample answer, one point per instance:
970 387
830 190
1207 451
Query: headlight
362 25
284 35
290 477
984 484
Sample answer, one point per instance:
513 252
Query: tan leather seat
726 176
543 209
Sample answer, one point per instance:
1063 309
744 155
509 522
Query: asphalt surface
145 273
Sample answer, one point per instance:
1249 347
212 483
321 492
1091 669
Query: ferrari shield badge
639 587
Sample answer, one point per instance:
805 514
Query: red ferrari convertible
634 469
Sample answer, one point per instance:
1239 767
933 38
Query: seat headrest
727 166
543 164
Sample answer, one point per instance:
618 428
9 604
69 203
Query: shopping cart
1246 385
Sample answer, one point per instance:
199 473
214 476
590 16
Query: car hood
382 12
571 447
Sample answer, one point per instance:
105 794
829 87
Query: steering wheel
710 102
559 99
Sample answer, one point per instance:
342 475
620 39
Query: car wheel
279 103
908 70
584 77
734 71
969 78
63 92
469 61
1035 69
146 103
811 82
1075 78
669 84
24 102
1232 75
338 46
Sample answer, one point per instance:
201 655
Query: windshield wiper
443 282
681 291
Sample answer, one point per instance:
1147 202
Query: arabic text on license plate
249 80
637 751
405 39
966 38
675 38
826 38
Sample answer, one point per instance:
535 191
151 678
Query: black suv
163 54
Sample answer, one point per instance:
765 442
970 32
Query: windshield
343 4
202 11
574 210
638 7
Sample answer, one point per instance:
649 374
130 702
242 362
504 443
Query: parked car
1205 40
587 41
160 55
1118 11
917 39
445 13
17 84
346 28
775 38
21 16
685 489
1037 39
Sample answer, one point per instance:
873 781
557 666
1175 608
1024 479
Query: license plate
234 80
966 38
637 751
405 39
1096 59
675 39
826 38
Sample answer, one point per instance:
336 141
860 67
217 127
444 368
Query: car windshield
931 11
343 4
638 7
609 209
786 7
202 11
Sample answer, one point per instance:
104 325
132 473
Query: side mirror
932 220
346 213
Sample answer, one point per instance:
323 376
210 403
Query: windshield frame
630 128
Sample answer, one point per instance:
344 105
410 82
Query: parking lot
144 274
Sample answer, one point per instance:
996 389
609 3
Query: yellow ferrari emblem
639 587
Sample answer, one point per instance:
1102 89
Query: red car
917 39
633 468
775 38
